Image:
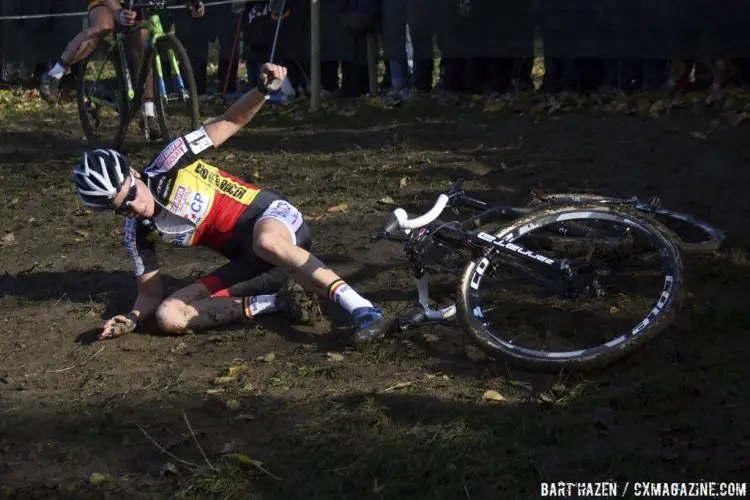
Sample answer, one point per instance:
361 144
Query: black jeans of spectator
198 33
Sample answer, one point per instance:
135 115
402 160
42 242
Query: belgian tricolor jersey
199 203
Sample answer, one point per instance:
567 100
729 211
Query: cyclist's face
134 199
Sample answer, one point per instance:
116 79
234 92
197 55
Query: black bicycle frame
455 236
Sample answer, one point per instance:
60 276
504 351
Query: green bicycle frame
119 42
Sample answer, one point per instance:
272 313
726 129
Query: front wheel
626 287
176 95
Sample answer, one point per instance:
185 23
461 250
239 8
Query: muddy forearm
145 306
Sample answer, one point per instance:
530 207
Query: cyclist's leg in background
138 43
101 22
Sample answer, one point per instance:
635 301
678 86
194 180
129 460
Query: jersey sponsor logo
235 190
183 240
198 140
198 207
284 212
168 157
179 199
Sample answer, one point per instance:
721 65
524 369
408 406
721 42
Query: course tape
81 14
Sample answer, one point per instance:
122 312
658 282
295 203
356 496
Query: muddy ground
402 420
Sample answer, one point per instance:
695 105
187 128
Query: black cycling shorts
246 273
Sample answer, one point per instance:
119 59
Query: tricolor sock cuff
344 295
258 304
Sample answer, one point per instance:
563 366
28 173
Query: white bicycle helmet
99 177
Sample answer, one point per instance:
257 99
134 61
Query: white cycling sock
148 108
345 296
258 304
57 71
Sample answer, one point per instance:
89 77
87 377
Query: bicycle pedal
405 323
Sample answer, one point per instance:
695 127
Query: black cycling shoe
370 325
296 303
49 88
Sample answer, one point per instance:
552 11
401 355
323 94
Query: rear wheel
102 100
627 287
695 236
176 95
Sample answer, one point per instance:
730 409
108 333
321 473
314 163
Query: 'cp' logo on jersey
197 207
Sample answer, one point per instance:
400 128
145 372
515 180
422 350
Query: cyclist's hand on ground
272 76
197 9
127 17
117 326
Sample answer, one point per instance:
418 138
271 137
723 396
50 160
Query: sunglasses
132 193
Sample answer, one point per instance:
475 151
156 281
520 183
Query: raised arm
246 107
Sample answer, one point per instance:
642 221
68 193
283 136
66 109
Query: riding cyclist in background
102 15
183 201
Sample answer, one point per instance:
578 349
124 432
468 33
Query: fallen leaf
268 357
223 380
217 390
235 370
403 181
256 174
387 201
8 239
245 416
698 135
334 356
343 207
32 220
613 310
243 459
430 337
400 385
249 387
493 396
98 478
169 469
316 217
14 202
233 404
82 235
230 156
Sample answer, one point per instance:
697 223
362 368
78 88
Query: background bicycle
110 91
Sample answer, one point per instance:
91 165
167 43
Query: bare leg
193 307
86 41
138 42
80 47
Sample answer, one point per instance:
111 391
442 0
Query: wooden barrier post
372 62
314 55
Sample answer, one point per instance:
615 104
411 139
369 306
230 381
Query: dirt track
402 420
